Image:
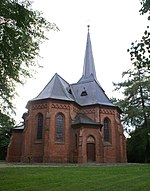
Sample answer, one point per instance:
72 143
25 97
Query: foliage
145 6
136 87
136 101
138 145
136 90
140 50
6 124
75 178
135 104
21 33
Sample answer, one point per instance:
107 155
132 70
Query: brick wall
14 150
74 147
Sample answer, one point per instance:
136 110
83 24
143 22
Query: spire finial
88 26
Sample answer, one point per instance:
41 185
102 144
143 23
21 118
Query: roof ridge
47 85
64 89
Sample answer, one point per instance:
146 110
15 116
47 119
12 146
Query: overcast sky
114 25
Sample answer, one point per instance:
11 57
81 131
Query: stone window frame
61 139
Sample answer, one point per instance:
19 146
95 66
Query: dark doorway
90 152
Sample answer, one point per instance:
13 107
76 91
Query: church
70 123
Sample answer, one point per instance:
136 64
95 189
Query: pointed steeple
88 91
89 66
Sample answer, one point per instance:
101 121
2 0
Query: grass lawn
76 178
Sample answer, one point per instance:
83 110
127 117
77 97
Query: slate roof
57 88
90 93
83 119
87 91
19 127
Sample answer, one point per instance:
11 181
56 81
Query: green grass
2 161
76 178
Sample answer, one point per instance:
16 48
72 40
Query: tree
145 6
138 146
136 101
21 33
136 112
22 30
136 90
6 125
140 50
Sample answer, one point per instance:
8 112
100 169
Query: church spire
89 66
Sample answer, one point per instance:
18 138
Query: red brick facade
83 143
15 146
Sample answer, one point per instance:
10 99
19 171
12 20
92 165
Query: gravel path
6 164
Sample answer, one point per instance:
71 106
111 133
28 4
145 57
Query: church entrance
91 149
91 152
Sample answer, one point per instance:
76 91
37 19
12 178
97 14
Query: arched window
39 126
76 141
106 130
59 128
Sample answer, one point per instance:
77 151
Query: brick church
70 123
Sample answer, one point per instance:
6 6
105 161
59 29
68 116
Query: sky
114 25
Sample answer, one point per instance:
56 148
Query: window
84 93
59 128
76 141
106 130
39 126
